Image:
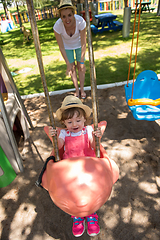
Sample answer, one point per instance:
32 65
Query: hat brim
65 6
84 107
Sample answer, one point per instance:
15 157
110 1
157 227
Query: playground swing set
64 180
66 186
59 179
143 95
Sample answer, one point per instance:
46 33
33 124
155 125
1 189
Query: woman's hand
69 70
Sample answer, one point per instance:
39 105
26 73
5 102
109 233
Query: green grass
111 55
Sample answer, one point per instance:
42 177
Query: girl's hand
98 132
52 131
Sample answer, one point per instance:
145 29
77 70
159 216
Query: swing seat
145 104
81 185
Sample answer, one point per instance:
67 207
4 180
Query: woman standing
70 33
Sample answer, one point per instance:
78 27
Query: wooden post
35 34
92 77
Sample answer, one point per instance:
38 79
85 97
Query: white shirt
63 133
73 42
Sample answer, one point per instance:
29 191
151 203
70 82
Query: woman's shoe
76 95
83 96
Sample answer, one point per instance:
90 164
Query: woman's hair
73 11
69 113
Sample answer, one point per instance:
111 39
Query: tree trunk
158 9
126 3
5 10
19 18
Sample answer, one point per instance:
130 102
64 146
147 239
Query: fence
110 5
45 13
105 5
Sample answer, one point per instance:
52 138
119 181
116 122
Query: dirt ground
133 209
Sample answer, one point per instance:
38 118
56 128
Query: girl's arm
63 52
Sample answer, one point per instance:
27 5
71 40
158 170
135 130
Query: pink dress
78 145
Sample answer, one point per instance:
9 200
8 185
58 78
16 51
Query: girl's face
67 17
75 124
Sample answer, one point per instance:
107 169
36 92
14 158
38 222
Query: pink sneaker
92 224
78 226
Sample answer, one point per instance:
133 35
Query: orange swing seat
81 185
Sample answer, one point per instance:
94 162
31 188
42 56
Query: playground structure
60 184
13 116
143 94
45 13
122 197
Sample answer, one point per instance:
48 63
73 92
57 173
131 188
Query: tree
6 3
126 3
158 9
19 18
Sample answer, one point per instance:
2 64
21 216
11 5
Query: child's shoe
92 224
78 226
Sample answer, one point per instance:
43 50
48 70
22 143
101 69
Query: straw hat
65 4
71 101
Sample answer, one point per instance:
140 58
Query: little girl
77 140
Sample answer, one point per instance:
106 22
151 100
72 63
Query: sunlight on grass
112 68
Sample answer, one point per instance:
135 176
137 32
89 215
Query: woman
70 33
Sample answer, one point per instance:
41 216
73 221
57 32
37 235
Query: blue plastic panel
146 85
